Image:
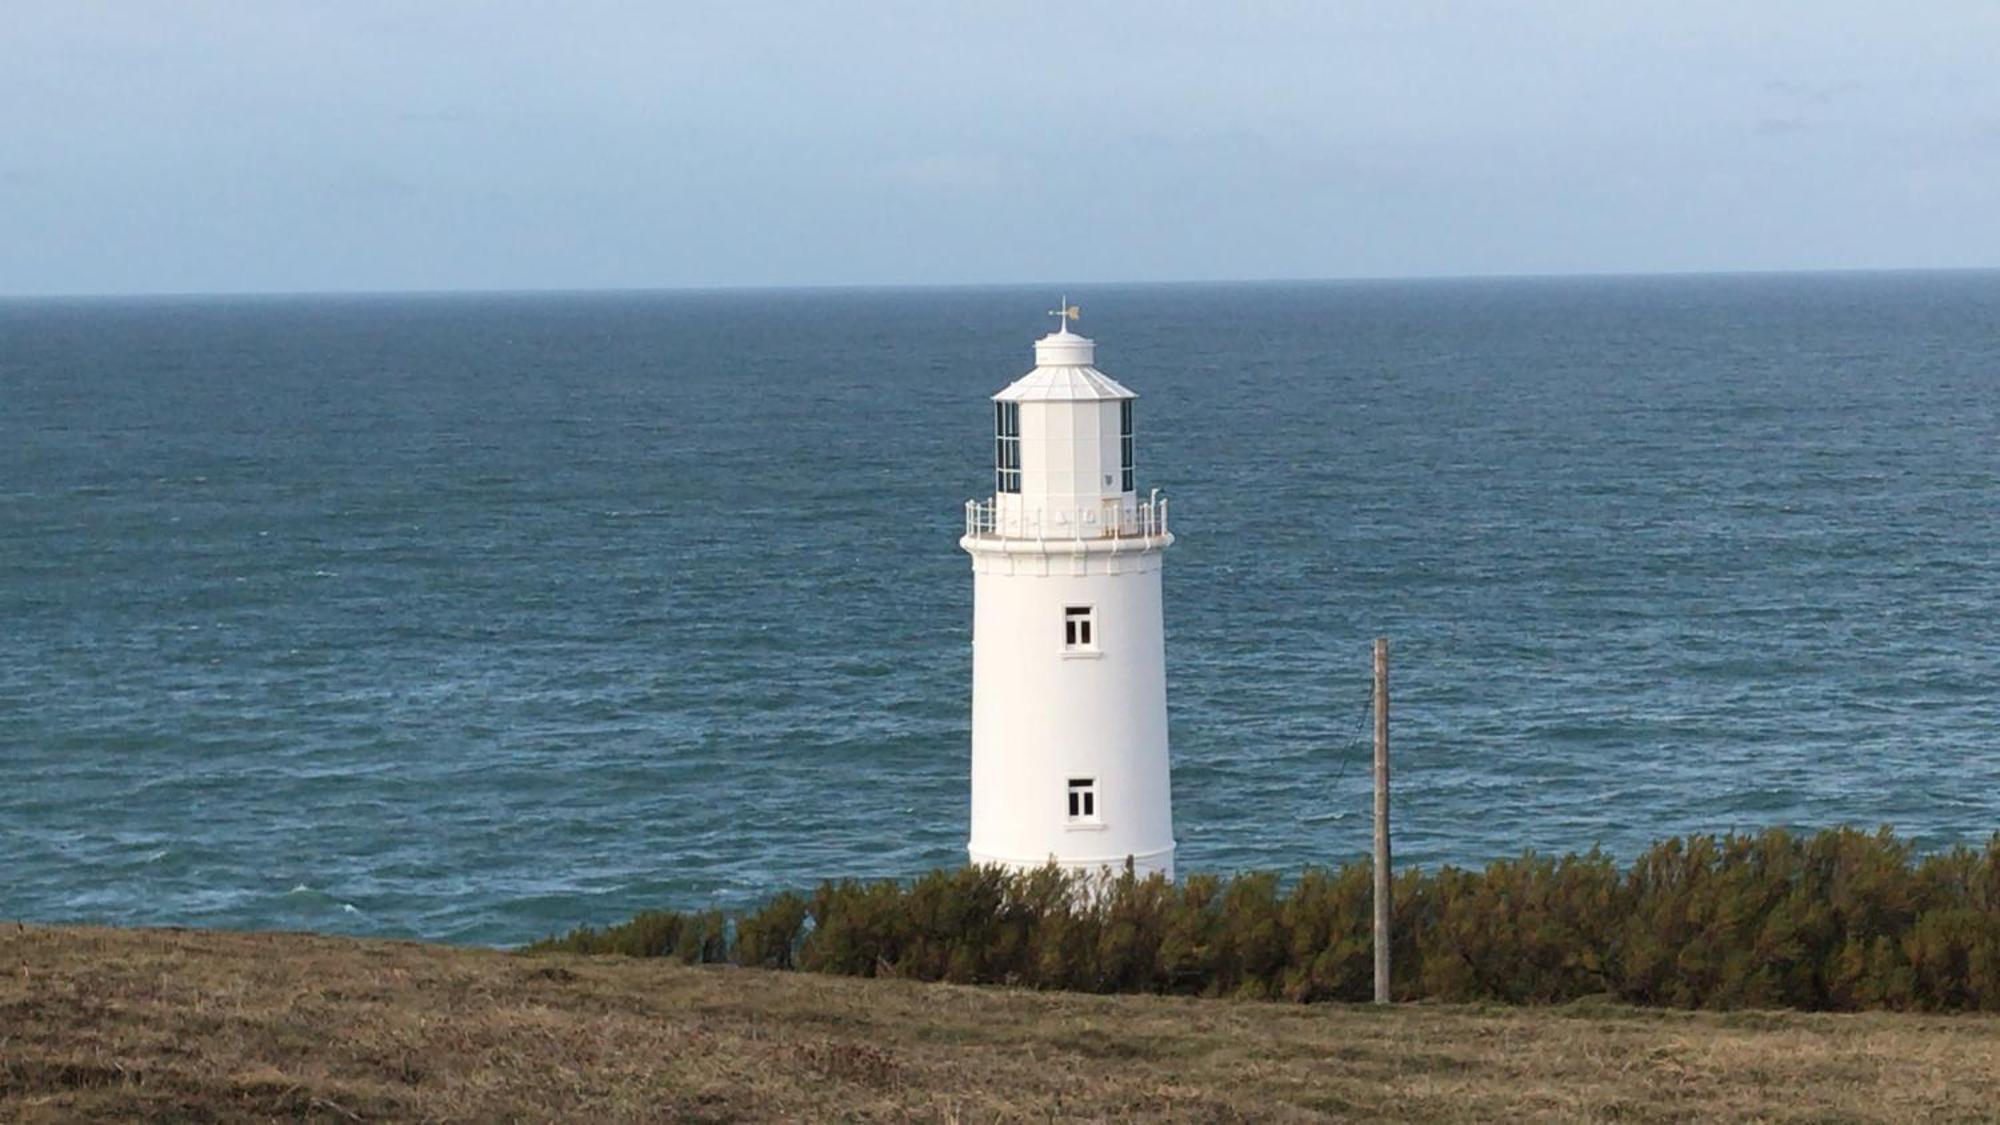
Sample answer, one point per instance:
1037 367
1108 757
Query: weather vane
1064 313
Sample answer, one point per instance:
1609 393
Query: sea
474 618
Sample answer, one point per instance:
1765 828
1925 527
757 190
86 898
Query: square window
1083 798
1079 628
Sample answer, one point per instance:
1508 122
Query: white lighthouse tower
1069 681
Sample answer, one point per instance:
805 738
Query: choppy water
474 618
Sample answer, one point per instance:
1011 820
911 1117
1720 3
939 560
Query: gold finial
1064 313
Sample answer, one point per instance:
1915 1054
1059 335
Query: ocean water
474 618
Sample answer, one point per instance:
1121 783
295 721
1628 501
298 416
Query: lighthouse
1069 680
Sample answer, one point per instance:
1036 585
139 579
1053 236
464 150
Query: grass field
175 1025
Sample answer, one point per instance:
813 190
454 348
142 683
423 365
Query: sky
355 145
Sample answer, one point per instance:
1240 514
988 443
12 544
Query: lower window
1083 798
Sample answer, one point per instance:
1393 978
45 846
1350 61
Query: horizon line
864 287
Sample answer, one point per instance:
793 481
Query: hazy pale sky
285 145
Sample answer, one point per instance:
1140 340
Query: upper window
1125 441
1006 447
1079 628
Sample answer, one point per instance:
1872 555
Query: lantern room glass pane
1125 445
1007 447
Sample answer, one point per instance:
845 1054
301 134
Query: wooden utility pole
1381 820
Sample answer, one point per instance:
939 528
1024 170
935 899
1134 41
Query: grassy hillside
216 1026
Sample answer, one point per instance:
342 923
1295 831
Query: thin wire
1367 706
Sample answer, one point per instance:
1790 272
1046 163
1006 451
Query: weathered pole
1381 820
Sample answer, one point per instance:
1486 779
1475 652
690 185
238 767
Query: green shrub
703 939
1839 920
768 938
1329 918
651 934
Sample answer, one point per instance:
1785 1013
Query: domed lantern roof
1064 370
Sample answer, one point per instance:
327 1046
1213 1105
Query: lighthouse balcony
1115 521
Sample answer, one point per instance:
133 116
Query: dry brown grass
170 1025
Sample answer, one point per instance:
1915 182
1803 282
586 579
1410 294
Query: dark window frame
1125 445
1082 798
1007 447
1080 628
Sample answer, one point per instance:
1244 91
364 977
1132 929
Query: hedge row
1840 920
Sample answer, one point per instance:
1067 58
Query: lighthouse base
1144 864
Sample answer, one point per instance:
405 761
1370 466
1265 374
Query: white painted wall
1041 715
1070 454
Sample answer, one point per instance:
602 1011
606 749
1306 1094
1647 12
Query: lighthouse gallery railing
984 519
